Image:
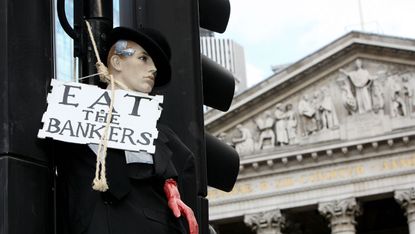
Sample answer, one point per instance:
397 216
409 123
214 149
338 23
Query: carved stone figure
222 137
378 99
328 113
291 123
245 143
308 115
316 103
267 135
361 80
407 94
398 107
281 125
349 101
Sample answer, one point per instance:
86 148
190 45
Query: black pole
26 66
99 15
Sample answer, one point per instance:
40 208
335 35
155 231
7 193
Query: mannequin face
136 72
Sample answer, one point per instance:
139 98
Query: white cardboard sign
77 113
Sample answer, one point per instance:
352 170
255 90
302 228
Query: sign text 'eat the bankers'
77 113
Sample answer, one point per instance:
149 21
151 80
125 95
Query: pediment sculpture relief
284 125
244 144
308 115
329 118
265 125
402 99
361 81
317 113
291 123
275 127
373 98
378 98
362 92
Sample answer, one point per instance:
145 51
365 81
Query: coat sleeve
184 162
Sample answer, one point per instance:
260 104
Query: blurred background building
326 144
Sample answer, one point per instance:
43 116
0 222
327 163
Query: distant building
227 53
206 33
326 144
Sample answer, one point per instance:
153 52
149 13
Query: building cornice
278 162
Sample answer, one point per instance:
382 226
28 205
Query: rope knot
103 72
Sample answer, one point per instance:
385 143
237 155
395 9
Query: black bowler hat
153 42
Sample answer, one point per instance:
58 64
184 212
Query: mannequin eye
143 58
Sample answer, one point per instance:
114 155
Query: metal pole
99 15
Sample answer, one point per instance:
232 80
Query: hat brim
159 57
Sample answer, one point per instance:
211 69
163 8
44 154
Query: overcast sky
276 32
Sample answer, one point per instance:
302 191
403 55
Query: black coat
135 202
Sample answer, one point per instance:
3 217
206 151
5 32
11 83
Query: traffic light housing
214 14
218 90
218 85
222 161
222 164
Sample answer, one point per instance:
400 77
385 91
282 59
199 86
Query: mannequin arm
177 205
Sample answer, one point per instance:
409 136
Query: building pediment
338 123
359 86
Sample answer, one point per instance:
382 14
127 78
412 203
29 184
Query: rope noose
100 180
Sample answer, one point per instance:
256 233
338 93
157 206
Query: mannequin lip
150 78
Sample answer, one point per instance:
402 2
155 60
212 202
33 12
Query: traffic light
222 160
26 66
214 14
218 91
196 80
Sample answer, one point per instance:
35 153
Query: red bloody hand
178 207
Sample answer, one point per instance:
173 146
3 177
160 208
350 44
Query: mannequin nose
153 72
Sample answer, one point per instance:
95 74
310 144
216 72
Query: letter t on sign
136 103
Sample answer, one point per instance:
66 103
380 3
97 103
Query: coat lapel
162 155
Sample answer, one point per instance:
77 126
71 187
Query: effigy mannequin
141 194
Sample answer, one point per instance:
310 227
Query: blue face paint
121 48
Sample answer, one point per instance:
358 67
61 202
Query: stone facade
328 131
336 107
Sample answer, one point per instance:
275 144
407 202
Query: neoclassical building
327 145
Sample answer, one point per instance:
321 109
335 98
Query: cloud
254 74
278 32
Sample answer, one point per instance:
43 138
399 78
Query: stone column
406 198
341 214
268 222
